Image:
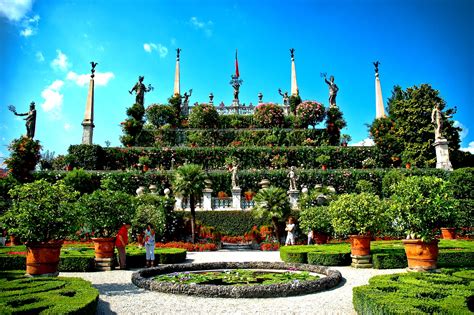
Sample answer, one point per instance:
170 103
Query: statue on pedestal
376 64
140 90
93 64
30 119
437 120
260 97
286 98
292 52
333 89
235 177
293 178
186 96
236 83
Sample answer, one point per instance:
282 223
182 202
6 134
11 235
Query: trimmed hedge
449 292
235 223
326 255
136 257
24 295
90 157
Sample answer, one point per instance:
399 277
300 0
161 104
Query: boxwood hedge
448 292
25 295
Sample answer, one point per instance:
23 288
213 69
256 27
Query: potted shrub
104 212
323 160
420 205
358 216
249 194
43 215
145 162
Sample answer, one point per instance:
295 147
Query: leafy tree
310 113
272 202
412 135
25 154
204 116
294 101
334 123
133 125
175 102
384 134
188 181
160 115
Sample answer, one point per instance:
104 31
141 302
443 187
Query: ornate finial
211 98
260 97
376 64
292 52
93 64
178 50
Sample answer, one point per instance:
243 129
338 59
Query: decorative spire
88 122
177 90
294 85
379 108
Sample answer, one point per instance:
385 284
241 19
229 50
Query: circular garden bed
146 279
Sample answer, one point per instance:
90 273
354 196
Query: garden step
232 246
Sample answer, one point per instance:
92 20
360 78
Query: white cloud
173 41
470 147
30 26
53 99
26 32
206 27
161 49
60 62
364 143
67 126
15 10
39 56
464 130
101 78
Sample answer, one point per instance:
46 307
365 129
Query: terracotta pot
14 240
248 196
448 233
43 258
324 167
145 168
408 166
421 256
360 245
320 238
104 247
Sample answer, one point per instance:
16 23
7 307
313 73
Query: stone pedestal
361 261
104 264
235 106
207 199
379 109
236 197
442 155
286 110
293 194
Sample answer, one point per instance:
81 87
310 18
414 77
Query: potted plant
323 160
358 216
43 215
420 205
104 212
249 194
145 162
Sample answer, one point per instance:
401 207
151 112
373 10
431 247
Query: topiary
79 180
203 116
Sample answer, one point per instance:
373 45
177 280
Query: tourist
310 237
290 228
120 242
150 245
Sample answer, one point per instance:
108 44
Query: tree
188 181
294 101
272 202
25 154
410 112
334 123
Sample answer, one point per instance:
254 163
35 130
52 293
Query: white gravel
119 296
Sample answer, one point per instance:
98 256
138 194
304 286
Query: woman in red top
120 242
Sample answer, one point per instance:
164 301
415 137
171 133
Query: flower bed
449 292
190 247
23 295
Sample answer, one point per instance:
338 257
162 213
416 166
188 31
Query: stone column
294 85
294 196
88 122
207 199
442 154
379 109
177 90
236 197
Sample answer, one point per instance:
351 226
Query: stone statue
437 120
376 64
178 50
211 98
236 82
293 178
93 64
260 97
30 119
286 98
186 96
235 177
333 89
292 52
140 90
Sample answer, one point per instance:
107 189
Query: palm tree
272 202
188 181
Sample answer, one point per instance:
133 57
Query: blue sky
46 47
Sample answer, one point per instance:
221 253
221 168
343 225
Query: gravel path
119 296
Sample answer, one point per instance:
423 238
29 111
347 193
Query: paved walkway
119 296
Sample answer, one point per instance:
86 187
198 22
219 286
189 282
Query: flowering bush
269 246
203 116
160 115
190 247
25 154
310 113
268 115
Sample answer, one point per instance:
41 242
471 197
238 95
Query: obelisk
177 90
379 109
88 122
294 85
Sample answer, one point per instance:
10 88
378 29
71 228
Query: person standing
290 228
120 242
150 245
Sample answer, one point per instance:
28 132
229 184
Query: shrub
87 156
463 182
268 115
294 101
25 154
334 123
365 186
80 181
156 210
104 212
315 219
310 113
41 212
389 181
160 115
235 223
203 116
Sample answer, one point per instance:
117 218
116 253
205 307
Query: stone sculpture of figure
211 98
235 177
333 89
236 87
178 50
292 52
30 119
93 64
376 64
437 120
285 96
292 176
186 96
260 97
140 90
